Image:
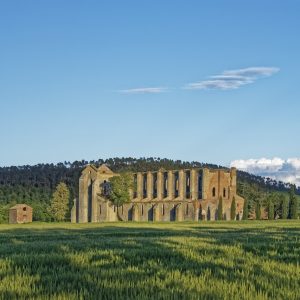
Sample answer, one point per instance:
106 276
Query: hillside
35 184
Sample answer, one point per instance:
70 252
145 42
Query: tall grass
221 260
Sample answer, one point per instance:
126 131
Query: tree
246 210
258 211
4 210
120 188
293 203
60 202
284 207
271 210
220 209
233 209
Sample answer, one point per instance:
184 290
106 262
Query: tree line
35 185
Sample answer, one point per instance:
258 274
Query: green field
209 260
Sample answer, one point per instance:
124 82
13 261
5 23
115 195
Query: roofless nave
177 195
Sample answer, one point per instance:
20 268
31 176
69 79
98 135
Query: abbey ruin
177 195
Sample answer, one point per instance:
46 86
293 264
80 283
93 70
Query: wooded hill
34 185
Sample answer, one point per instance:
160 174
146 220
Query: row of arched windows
165 186
176 186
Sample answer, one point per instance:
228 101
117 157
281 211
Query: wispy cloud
283 170
145 90
233 79
227 80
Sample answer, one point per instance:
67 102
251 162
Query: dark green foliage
284 207
258 211
271 211
4 213
293 204
120 186
246 210
220 209
254 193
41 211
233 209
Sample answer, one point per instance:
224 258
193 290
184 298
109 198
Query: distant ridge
49 175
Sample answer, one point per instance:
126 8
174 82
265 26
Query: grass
207 260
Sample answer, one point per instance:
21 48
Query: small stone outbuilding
20 213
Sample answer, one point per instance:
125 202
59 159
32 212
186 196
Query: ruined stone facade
177 195
20 213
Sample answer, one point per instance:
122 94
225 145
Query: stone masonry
20 213
177 195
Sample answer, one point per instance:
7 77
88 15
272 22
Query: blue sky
97 79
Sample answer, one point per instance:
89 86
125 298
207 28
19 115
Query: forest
34 185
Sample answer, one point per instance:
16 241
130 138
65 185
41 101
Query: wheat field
206 260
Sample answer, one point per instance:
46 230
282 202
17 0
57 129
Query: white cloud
145 90
259 165
253 71
276 168
295 162
233 79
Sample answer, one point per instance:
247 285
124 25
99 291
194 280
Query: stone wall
20 213
179 195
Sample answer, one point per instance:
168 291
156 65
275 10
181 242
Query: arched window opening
155 185
224 193
165 184
163 210
200 176
106 188
188 185
142 209
176 184
144 185
214 192
134 185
